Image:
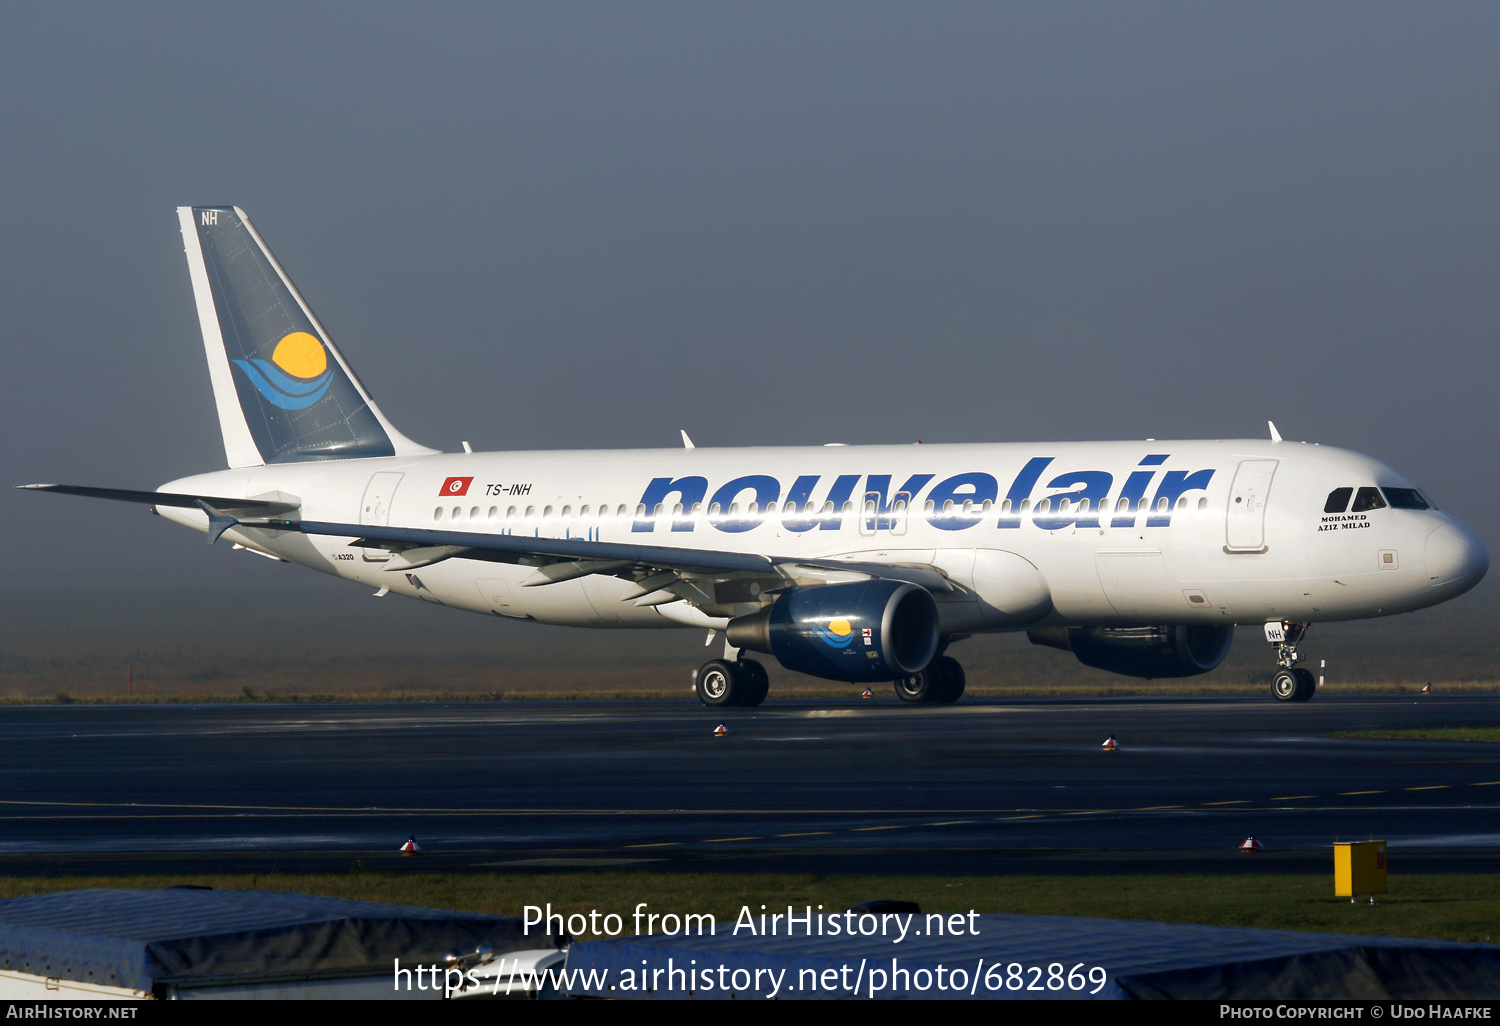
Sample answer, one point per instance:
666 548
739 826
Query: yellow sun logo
296 376
838 634
300 355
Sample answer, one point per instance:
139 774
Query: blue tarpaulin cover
140 938
1139 959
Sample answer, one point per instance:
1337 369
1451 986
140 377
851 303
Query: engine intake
864 631
1169 651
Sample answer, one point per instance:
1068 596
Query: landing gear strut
722 682
1291 684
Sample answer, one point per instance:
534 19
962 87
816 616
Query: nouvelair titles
1081 499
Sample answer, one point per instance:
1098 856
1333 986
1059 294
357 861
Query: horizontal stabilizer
218 521
256 507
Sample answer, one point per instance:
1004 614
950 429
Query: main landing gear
1291 683
744 682
740 682
941 683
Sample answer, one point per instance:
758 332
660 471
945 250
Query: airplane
858 564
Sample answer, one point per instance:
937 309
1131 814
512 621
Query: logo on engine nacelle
838 634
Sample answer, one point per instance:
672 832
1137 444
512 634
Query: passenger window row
1368 498
515 513
898 508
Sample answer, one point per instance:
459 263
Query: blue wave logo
838 634
296 376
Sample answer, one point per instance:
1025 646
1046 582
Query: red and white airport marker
1251 845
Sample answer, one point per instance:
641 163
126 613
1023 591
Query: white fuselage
1194 532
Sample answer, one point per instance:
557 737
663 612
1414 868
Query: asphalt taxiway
828 787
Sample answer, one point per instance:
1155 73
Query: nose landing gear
1291 684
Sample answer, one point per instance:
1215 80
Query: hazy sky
583 225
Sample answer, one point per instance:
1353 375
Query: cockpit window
1338 500
1405 498
1367 499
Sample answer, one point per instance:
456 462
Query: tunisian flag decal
456 486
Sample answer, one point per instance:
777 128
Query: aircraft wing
397 538
661 573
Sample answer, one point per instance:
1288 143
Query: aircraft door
375 510
1245 522
900 509
876 516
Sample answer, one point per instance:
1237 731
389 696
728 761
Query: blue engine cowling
864 631
1150 652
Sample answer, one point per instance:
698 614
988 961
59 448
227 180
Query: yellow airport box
1358 868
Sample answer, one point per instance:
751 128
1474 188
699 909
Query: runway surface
825 787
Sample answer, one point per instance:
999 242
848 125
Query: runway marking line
1158 808
720 840
524 811
857 830
952 822
1293 797
1485 783
1002 819
658 844
1241 801
1343 794
1429 787
810 833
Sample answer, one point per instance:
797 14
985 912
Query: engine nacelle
1142 651
863 631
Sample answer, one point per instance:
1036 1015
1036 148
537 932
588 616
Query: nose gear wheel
1291 683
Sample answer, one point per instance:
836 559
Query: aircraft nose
1455 556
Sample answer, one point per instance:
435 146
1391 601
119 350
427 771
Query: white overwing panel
1136 583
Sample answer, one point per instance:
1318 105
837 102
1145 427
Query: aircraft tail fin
285 393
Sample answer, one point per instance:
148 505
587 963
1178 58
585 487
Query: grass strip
1435 734
1457 907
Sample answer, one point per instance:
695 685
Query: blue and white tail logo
297 374
285 394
